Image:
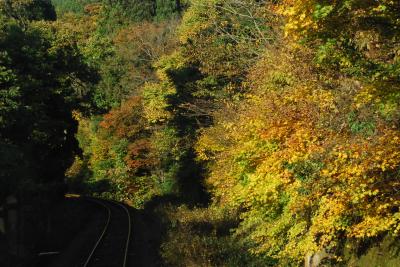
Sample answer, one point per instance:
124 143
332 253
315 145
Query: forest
259 132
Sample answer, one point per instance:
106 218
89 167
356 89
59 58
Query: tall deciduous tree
39 72
25 11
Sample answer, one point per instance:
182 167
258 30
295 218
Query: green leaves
321 12
361 126
306 170
25 11
40 70
8 98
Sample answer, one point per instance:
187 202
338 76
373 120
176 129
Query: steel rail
102 233
129 232
101 202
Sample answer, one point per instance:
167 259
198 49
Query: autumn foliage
285 111
311 155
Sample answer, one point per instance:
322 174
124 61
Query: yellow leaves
197 18
155 95
342 156
325 100
326 224
365 96
383 207
173 61
155 102
288 158
76 115
371 226
395 222
299 18
207 146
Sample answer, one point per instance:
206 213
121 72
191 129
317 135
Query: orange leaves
125 121
138 155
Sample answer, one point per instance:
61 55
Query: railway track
112 245
103 241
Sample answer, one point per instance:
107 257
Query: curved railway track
112 245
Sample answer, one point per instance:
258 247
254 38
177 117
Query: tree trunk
178 5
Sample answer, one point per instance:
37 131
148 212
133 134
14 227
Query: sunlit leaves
224 37
355 37
308 165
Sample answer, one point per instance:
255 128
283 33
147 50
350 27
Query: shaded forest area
263 132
